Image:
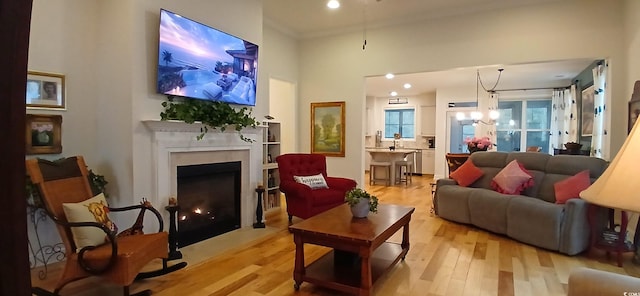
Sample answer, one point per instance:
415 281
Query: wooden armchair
118 258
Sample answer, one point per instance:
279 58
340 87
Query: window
513 135
400 121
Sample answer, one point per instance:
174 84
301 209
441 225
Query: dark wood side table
609 237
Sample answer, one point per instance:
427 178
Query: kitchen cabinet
428 120
428 161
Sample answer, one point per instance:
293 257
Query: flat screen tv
197 61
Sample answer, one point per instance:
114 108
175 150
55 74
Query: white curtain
564 119
599 136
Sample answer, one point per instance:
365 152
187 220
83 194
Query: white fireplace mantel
172 138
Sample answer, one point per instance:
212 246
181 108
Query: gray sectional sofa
533 217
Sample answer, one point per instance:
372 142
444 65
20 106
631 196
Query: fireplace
209 196
174 145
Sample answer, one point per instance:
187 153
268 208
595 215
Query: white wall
64 40
108 52
332 68
632 43
279 55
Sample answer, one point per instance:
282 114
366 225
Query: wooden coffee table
361 252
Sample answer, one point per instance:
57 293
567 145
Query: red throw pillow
466 174
512 179
571 187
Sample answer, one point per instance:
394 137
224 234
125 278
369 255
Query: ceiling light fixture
476 116
393 93
407 85
333 4
389 76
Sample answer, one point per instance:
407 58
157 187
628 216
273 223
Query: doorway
457 132
282 106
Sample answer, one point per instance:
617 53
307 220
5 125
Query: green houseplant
361 202
212 114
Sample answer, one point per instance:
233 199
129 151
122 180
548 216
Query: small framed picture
45 91
587 111
634 113
44 134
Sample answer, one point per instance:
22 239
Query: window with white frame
400 121
523 124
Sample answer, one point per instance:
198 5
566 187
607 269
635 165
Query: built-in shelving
270 174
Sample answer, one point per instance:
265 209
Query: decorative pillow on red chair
467 173
512 179
571 187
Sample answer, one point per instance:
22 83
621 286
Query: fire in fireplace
209 199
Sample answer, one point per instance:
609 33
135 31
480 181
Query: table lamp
618 187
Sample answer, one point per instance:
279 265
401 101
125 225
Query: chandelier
476 115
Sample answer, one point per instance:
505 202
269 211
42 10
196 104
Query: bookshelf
270 174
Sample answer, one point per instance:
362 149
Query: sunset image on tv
197 61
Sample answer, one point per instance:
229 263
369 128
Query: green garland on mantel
212 114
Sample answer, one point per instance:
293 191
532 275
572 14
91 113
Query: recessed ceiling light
333 4
407 85
393 93
389 76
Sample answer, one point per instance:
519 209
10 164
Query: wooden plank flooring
445 259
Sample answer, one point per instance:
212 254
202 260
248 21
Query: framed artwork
327 128
634 113
586 124
45 91
634 106
44 134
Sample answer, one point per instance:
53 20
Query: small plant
354 195
211 114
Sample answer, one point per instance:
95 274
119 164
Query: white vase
361 209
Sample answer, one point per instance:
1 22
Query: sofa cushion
535 221
314 182
513 179
488 209
571 187
94 209
466 174
452 202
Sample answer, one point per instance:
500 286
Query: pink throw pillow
571 187
467 173
512 179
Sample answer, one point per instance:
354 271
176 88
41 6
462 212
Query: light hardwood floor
445 259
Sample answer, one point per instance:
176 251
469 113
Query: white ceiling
536 75
311 18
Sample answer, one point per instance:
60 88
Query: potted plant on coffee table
361 202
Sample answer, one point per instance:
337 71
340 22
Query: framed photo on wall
45 91
327 128
587 117
44 134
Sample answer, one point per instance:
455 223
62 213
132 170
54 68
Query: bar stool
372 172
404 170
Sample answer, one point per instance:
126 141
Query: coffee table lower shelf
345 276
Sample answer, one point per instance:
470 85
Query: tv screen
200 62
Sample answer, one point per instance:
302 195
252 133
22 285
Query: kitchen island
392 156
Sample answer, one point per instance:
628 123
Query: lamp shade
618 187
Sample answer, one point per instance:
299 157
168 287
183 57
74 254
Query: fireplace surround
174 144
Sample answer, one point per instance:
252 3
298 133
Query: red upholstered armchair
302 201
